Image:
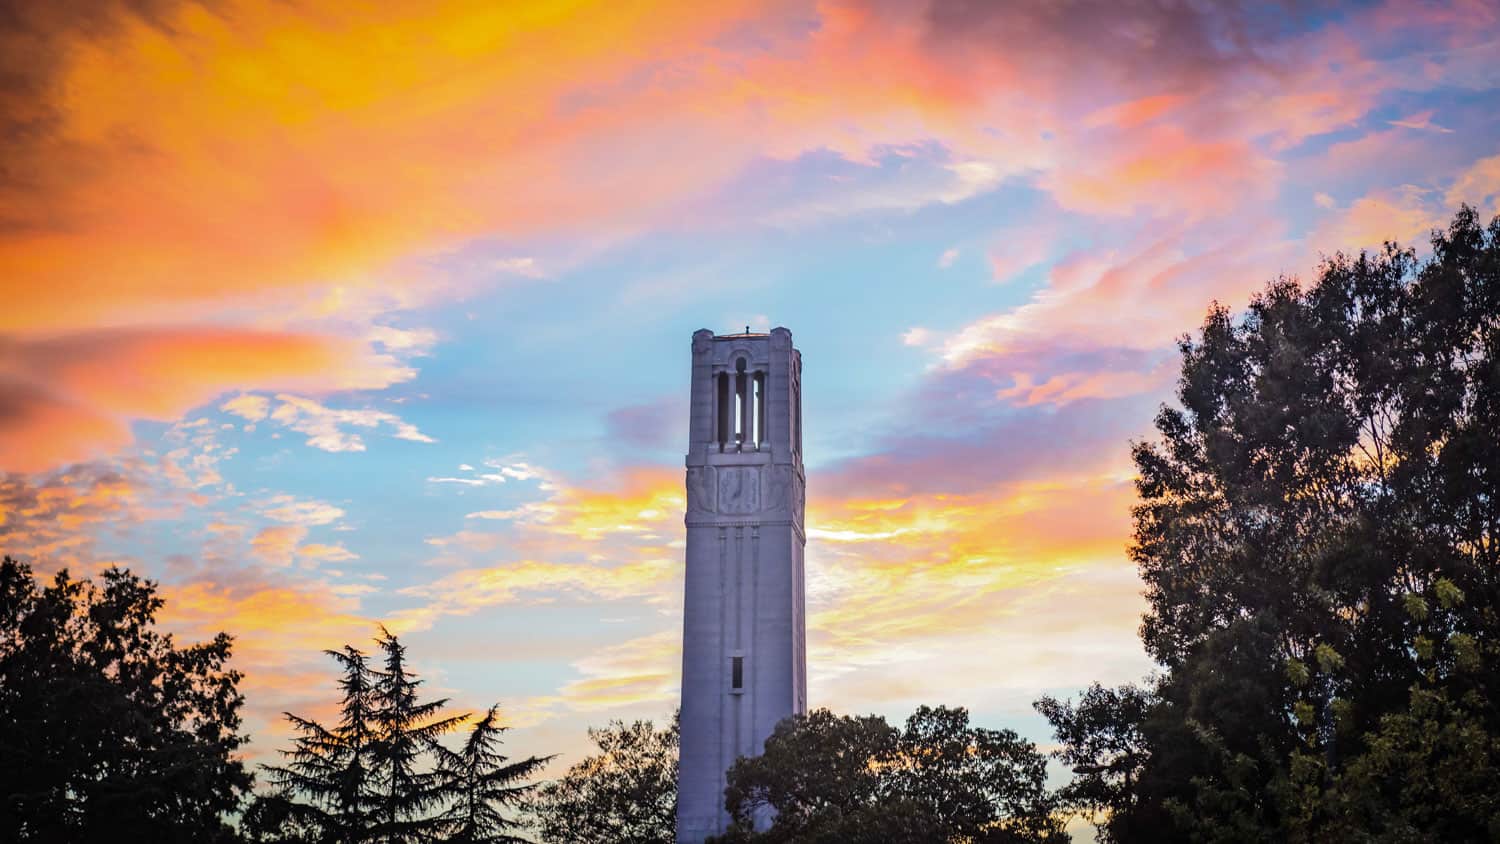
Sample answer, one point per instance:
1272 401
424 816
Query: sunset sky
326 314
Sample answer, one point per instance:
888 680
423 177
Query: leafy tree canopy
831 778
1104 746
109 731
1319 534
626 793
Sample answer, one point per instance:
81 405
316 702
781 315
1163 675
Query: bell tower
744 662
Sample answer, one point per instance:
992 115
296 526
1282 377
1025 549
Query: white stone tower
744 662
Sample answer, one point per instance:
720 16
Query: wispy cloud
326 427
292 510
495 472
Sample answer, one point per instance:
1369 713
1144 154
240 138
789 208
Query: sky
329 314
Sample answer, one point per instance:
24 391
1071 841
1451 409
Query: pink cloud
1075 386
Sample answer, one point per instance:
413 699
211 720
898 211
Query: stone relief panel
700 490
778 481
739 490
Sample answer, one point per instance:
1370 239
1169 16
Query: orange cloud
280 629
1136 112
1073 386
39 431
208 162
934 585
278 544
621 539
283 164
262 174
52 521
645 501
1058 635
888 577
472 589
1479 186
637 671
1404 215
1100 326
70 397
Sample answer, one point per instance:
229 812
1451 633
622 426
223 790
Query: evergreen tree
405 731
327 783
481 782
108 730
382 774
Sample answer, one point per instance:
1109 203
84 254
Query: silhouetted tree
405 732
381 774
830 778
627 793
327 782
481 781
981 784
1104 747
1319 533
276 818
108 730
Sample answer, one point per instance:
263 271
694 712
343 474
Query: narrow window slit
741 405
723 411
760 409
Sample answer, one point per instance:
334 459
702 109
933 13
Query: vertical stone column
701 395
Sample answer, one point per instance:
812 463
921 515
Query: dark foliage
627 793
830 778
1319 533
382 775
481 782
108 730
405 731
1104 747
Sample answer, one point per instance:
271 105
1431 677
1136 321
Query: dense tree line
121 735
